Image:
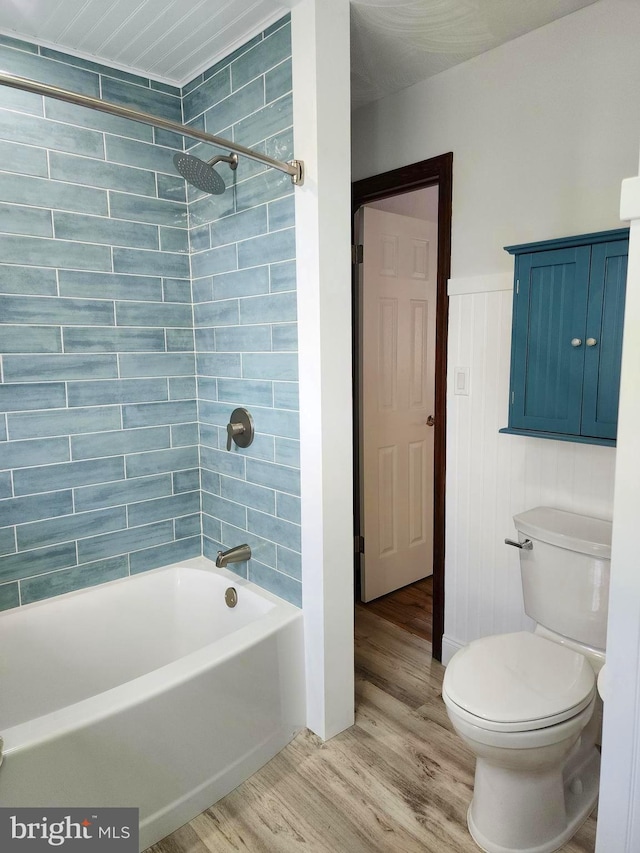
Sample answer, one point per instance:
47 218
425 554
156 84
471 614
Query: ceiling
394 43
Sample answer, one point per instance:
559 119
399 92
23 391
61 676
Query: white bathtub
147 692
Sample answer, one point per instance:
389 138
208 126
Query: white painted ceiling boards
394 43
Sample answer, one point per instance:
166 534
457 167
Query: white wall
543 130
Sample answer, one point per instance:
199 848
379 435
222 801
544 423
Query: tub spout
239 554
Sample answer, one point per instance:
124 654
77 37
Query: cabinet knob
591 342
576 342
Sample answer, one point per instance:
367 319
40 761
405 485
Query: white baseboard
449 648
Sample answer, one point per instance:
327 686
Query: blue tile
68 580
239 283
280 422
275 365
152 414
239 226
176 290
146 100
55 311
120 340
182 435
171 188
163 508
99 285
157 364
262 447
47 71
33 130
222 461
9 596
279 584
164 555
260 549
230 110
269 52
180 340
97 445
289 562
17 219
64 422
223 63
218 364
262 188
285 395
187 526
18 44
97 229
163 314
19 368
274 476
284 20
275 117
105 392
288 507
7 540
31 339
213 412
248 494
199 99
23 159
207 388
31 396
191 85
161 461
223 313
284 337
283 276
224 510
150 263
21 454
85 117
203 209
186 481
27 280
95 173
278 246
52 194
70 527
5 492
156 211
282 213
274 529
125 492
278 81
35 507
130 152
121 542
3 428
27 563
182 388
173 239
168 139
23 102
246 391
214 261
205 340
211 544
200 238
211 482
42 252
273 308
254 339
66 475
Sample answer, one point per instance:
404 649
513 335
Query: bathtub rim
135 691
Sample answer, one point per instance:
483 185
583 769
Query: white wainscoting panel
491 476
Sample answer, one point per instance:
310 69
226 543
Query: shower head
202 175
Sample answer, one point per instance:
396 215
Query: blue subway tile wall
95 299
135 314
244 291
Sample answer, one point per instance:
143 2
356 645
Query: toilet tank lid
566 530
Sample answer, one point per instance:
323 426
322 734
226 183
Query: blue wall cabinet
566 342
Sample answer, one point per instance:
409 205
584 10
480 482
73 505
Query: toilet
526 703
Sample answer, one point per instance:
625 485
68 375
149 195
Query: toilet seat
517 683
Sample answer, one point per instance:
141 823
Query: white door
397 386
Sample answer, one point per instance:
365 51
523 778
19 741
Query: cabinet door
550 312
603 342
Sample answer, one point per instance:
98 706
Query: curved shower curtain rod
294 168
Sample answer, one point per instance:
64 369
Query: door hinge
517 286
357 253
359 544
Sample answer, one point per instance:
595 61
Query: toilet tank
565 576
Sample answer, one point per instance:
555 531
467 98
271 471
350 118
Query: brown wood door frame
435 171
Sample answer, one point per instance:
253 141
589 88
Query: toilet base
578 794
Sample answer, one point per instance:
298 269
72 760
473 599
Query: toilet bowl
525 706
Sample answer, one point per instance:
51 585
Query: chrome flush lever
240 428
527 545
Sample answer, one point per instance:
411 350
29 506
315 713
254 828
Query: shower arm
294 168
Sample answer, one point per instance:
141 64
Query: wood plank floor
410 607
398 781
